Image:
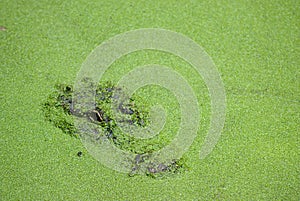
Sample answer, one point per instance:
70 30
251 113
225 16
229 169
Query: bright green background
255 46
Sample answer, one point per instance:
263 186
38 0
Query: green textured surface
255 46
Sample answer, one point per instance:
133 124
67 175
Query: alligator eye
95 115
79 154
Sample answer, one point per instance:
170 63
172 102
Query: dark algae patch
59 110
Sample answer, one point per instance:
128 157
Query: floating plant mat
106 129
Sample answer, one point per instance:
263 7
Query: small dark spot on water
79 154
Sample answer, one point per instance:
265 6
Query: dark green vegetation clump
59 110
